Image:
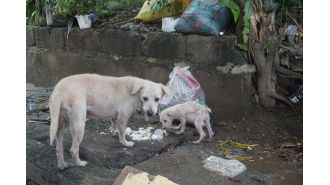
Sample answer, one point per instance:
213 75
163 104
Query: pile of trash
184 86
205 17
143 134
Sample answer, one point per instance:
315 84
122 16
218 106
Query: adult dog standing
78 97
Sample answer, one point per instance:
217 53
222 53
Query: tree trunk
263 51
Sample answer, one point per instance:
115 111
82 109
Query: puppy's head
150 93
165 119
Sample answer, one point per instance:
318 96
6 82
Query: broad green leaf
247 16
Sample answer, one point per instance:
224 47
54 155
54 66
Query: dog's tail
54 109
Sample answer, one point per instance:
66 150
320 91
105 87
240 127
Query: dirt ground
278 158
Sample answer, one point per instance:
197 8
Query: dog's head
165 119
150 93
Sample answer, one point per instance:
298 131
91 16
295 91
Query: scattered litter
185 88
36 106
297 96
128 131
225 167
43 121
158 135
103 133
133 176
227 152
143 134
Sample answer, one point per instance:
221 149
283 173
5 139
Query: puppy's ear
137 87
167 91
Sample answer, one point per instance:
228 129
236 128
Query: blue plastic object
205 17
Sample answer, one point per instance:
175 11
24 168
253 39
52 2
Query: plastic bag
185 88
168 24
204 17
151 11
225 167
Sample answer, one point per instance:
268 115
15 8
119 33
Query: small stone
203 155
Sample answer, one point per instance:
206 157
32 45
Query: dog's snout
150 112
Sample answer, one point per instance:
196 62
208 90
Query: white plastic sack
168 24
185 88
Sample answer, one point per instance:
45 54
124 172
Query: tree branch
295 21
288 72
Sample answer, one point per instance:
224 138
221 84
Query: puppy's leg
77 129
177 127
59 145
209 128
121 122
199 126
183 126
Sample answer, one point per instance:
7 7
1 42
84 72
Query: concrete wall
50 57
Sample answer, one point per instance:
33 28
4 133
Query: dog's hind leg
199 127
59 145
77 129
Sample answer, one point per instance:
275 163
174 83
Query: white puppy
78 97
191 112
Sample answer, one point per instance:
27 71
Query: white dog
190 112
78 97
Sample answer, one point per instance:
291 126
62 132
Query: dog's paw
129 144
63 165
196 142
178 132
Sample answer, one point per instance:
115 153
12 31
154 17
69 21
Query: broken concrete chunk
238 69
225 69
243 69
224 167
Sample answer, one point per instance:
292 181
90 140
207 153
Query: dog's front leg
121 123
113 128
183 126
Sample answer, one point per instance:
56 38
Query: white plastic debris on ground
158 135
144 134
225 167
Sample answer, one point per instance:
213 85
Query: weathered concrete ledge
50 57
192 48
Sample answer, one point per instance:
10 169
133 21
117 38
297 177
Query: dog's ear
137 87
167 91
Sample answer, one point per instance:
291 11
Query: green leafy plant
34 11
232 6
248 9
160 5
74 7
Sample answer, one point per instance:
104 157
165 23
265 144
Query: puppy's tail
54 109
208 110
